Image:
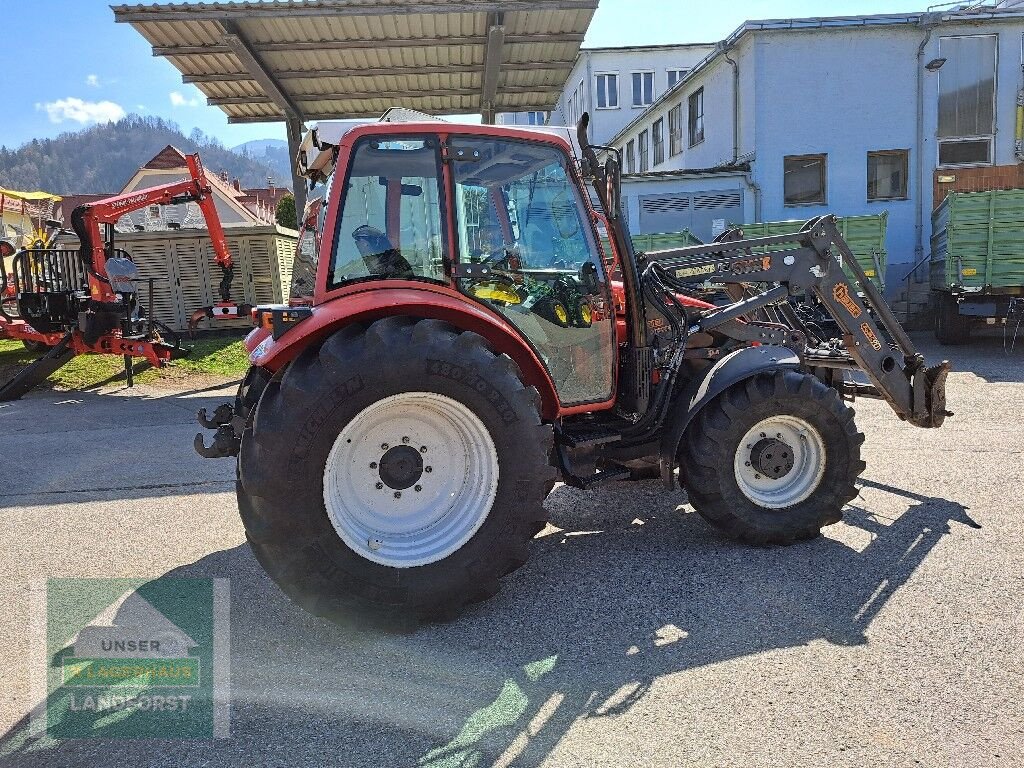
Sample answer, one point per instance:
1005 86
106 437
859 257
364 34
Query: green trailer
977 261
865 234
658 241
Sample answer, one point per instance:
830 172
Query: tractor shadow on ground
627 587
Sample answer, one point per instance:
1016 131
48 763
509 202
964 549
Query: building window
574 106
805 179
675 75
675 130
642 141
658 139
630 156
536 118
887 174
607 87
696 117
967 89
643 89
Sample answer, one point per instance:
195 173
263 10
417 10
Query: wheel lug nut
405 439
423 449
748 464
763 435
373 465
385 446
398 494
778 435
380 486
757 477
428 469
419 488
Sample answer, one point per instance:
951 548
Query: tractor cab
493 215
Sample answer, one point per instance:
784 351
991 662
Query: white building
623 82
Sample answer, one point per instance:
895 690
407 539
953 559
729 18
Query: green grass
219 356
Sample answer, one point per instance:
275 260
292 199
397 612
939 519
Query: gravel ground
634 636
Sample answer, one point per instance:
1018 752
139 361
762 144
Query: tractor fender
426 302
733 368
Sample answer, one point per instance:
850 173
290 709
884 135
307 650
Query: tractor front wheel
395 473
772 459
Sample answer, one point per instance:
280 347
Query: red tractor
407 413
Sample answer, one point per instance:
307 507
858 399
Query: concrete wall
813 98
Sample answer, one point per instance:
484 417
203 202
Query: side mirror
612 185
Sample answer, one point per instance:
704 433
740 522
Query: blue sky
106 69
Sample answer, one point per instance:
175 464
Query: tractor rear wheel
395 473
772 459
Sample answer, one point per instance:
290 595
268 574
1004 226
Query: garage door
703 213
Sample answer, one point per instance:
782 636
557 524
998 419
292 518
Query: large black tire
297 421
711 443
951 328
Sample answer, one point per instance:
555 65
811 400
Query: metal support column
294 128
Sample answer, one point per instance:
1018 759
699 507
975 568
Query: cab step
599 478
587 436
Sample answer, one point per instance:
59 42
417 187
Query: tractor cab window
521 217
307 250
390 225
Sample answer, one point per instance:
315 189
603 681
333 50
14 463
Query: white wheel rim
439 511
780 462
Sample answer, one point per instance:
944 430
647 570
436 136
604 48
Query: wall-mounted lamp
934 65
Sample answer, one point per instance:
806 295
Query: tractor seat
379 255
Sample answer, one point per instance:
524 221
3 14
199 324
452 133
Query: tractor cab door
526 248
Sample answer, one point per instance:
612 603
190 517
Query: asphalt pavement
635 635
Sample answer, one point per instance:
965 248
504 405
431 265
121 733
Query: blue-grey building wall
842 91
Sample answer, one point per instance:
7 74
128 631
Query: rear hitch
227 440
221 415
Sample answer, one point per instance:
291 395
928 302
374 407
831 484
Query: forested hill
104 157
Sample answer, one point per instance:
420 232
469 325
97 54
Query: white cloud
92 81
177 100
81 111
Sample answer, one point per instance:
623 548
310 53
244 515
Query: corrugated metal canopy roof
338 59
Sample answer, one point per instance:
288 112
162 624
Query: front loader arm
814 265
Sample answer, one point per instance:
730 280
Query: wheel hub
780 461
401 467
772 457
410 479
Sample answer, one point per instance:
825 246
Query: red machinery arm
86 220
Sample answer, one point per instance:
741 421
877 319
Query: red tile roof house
235 206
